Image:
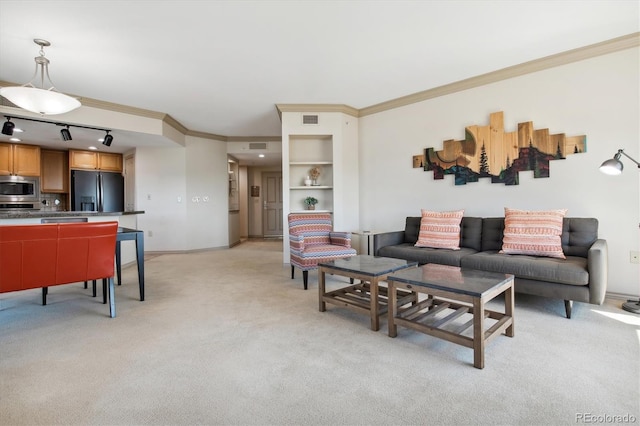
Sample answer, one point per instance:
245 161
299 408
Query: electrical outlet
634 257
149 197
150 233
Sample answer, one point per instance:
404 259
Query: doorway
272 204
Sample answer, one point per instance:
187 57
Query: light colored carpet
226 337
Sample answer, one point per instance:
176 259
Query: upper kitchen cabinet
19 160
55 171
93 160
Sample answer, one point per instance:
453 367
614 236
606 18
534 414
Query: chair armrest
597 262
340 238
296 242
387 239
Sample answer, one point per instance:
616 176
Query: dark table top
368 265
451 278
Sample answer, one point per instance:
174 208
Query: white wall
167 180
598 97
207 179
160 179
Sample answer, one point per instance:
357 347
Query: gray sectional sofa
581 277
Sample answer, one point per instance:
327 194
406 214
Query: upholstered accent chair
312 241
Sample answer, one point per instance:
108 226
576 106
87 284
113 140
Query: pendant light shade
41 100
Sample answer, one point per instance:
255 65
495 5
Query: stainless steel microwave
19 193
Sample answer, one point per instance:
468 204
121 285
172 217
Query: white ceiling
221 66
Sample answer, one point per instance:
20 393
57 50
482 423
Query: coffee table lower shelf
414 317
357 297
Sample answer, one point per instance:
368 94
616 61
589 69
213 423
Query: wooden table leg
321 285
509 308
478 333
392 309
374 305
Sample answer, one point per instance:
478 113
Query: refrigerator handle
99 192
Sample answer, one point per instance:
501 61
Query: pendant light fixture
41 100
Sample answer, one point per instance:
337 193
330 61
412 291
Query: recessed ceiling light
92 147
15 139
17 129
261 155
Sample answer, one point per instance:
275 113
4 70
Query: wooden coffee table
366 297
453 296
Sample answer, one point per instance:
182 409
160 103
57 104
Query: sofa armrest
340 238
598 264
387 239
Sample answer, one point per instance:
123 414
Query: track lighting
107 139
7 128
66 134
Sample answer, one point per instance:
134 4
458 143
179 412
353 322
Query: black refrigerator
97 191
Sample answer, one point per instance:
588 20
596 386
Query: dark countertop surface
39 214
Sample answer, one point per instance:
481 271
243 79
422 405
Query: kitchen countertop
39 214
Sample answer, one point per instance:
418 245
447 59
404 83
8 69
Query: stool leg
45 290
94 288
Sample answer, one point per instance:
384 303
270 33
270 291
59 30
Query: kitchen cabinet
54 176
19 160
93 160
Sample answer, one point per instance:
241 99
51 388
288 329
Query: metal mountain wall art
490 152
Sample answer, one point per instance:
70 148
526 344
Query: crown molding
205 135
609 46
254 139
345 109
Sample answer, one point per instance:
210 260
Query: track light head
7 127
107 139
66 134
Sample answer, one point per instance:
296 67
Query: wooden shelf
310 163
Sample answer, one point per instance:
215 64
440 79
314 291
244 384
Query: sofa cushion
424 255
440 229
535 233
572 270
578 235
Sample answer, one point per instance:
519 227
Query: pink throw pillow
536 233
440 229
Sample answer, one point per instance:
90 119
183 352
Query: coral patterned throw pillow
440 229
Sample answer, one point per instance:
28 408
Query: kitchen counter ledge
43 214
